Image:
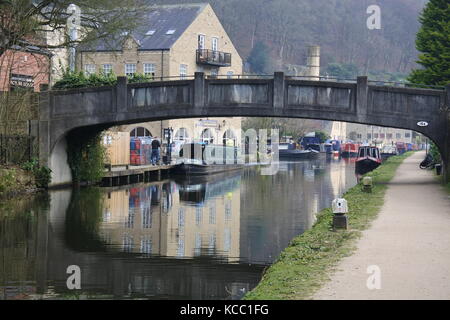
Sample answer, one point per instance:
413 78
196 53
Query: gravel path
408 243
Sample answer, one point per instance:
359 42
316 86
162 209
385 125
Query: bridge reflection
179 239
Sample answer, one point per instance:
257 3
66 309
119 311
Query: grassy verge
305 264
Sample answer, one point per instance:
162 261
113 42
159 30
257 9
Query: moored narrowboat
288 151
204 159
369 159
349 150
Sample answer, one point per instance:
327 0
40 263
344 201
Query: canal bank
408 244
304 265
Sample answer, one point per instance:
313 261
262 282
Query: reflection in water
174 220
202 238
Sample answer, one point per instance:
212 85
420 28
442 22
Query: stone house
175 42
370 134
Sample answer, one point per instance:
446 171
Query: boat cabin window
374 153
362 152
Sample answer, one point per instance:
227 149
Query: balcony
213 58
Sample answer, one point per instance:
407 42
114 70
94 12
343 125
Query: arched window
207 136
229 138
140 132
181 134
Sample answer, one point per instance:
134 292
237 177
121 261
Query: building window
369 136
130 69
229 138
201 41
107 68
382 135
140 132
181 134
180 248
407 135
398 135
230 74
214 73
89 69
149 69
212 213
375 135
228 210
146 245
207 136
198 216
183 71
389 136
181 218
147 218
127 243
215 44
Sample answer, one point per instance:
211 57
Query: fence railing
17 149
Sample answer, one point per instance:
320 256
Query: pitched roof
163 26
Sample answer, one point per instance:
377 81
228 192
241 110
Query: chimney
313 62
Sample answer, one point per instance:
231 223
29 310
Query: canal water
197 238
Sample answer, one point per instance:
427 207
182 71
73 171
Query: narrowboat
388 151
288 151
310 142
349 150
332 147
401 147
203 159
369 158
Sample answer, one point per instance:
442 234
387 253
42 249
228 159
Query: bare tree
34 20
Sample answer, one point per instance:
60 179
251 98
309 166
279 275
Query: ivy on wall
86 155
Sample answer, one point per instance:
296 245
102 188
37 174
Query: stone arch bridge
277 96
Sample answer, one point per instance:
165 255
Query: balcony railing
213 58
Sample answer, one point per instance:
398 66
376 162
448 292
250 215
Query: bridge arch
280 96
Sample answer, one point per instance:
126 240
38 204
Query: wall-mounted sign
422 124
207 123
21 80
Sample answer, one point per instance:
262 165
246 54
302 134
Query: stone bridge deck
103 107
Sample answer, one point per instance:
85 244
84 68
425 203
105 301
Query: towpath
405 254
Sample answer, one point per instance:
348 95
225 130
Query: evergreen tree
433 41
259 58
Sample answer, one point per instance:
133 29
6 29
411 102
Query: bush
72 80
42 175
140 78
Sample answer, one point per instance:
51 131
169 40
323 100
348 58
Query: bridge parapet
389 106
